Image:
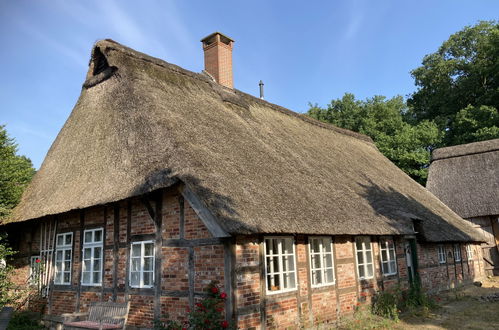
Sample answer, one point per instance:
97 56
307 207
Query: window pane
316 277
58 277
393 267
360 257
392 254
369 257
88 237
148 262
60 239
58 255
86 277
358 244
290 280
290 263
68 239
273 282
148 249
316 261
87 253
97 252
96 277
369 270
329 275
328 260
98 236
275 265
385 268
327 244
134 279
287 246
314 245
275 246
86 266
136 250
383 255
67 255
66 277
361 271
135 264
268 247
67 265
97 264
148 278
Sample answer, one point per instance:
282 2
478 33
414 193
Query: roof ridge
200 76
467 149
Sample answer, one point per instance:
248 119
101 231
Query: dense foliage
7 294
15 173
407 145
456 102
458 85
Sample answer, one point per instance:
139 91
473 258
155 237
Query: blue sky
304 51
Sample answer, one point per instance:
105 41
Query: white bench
101 316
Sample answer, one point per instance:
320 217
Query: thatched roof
141 124
466 178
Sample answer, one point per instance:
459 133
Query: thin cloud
61 48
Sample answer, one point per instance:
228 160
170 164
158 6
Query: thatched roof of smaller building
142 124
466 178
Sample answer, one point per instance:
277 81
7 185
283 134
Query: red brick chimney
218 58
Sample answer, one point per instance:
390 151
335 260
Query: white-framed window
441 254
34 269
364 255
142 264
92 256
280 264
469 251
321 260
457 252
388 256
63 258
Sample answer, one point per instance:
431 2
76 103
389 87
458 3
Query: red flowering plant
209 312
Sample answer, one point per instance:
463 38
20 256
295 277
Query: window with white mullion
321 261
92 257
63 258
364 257
457 252
469 252
388 257
280 266
441 254
142 264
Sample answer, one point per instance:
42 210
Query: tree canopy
15 173
408 146
456 102
458 85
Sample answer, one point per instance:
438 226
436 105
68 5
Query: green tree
408 146
15 173
463 72
7 294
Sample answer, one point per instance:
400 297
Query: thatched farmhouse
163 180
466 178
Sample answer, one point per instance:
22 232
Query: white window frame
322 254
281 256
34 269
469 251
63 247
92 245
457 252
384 245
365 250
141 270
442 257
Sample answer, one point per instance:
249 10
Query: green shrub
386 304
25 321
